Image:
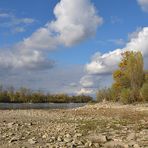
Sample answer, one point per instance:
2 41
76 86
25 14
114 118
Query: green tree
129 78
135 70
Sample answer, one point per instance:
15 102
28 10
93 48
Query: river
40 105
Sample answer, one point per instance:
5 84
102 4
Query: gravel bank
99 125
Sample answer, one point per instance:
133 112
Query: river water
40 105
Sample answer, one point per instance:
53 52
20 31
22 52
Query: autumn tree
130 75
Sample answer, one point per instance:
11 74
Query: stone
45 136
59 139
70 145
131 143
13 140
96 145
131 136
77 135
88 144
97 138
136 146
117 144
75 141
30 124
53 138
10 125
23 138
32 141
109 138
68 136
67 139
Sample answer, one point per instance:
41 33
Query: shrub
128 95
144 92
104 94
125 96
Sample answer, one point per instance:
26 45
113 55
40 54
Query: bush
144 92
104 94
125 96
135 95
130 96
4 97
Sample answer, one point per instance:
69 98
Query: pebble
50 129
13 139
32 141
10 125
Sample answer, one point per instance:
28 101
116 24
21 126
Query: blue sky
114 24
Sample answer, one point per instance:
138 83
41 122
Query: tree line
130 81
24 95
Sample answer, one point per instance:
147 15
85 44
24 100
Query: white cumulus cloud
74 22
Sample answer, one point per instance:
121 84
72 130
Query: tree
135 69
130 76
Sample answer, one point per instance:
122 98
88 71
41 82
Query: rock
10 125
131 143
115 144
51 139
80 142
88 144
71 145
23 138
136 146
59 139
30 124
32 141
76 142
11 134
67 139
97 138
77 135
131 136
28 133
96 145
68 136
109 138
45 136
13 140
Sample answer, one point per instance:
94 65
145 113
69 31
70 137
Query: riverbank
99 125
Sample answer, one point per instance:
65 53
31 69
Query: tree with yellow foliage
129 78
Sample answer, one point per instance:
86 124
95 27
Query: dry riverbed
100 125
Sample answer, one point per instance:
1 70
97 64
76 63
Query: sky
68 46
